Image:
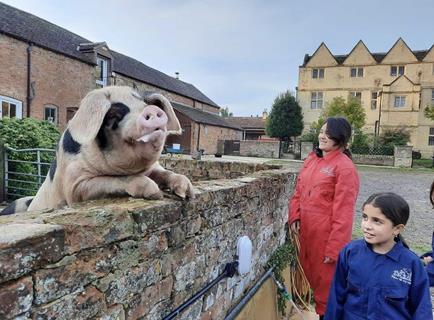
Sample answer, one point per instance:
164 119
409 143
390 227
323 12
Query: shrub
27 134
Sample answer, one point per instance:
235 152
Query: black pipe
29 79
237 309
229 272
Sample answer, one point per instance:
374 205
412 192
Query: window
50 114
10 108
356 72
101 72
356 94
432 96
316 100
431 137
374 96
396 71
399 101
318 73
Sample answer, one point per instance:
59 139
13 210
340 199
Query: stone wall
132 258
255 148
372 159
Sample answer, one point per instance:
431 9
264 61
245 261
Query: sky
240 53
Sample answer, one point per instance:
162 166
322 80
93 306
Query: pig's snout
152 118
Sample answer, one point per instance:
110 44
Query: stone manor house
46 71
394 88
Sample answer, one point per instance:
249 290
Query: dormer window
356 72
397 71
318 73
101 71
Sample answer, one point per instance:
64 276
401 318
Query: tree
429 112
351 109
225 113
286 118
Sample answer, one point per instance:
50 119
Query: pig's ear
87 121
173 126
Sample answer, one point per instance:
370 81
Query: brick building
46 71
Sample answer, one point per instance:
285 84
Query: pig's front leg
137 186
177 183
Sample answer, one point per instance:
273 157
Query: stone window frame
397 70
318 73
356 94
431 136
7 102
432 96
51 107
374 97
399 101
357 72
316 99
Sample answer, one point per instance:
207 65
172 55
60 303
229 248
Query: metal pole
38 154
2 174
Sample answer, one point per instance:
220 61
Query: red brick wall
58 80
209 135
13 70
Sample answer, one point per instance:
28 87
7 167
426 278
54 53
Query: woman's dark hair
393 206
339 130
431 194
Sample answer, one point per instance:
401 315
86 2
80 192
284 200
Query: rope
299 286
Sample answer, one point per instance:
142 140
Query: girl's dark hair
338 130
393 206
430 194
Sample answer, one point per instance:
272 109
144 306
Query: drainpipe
198 138
29 78
379 115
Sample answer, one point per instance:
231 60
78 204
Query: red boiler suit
324 202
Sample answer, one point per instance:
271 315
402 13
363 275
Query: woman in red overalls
321 209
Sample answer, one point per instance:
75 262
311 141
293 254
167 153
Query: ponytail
347 152
401 238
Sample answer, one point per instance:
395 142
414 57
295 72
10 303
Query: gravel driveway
413 186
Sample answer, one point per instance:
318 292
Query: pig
111 147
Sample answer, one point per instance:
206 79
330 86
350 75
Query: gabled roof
247 122
30 28
322 52
203 117
378 56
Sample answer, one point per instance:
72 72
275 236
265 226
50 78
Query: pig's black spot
111 121
69 144
28 202
53 168
9 209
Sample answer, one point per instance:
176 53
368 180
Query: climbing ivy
283 257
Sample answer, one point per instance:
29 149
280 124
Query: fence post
2 173
38 154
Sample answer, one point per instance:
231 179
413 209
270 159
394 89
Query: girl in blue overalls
378 277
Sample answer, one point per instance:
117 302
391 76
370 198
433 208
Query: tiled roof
29 28
247 122
379 56
204 117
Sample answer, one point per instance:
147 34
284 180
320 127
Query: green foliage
283 257
395 137
429 112
26 134
225 113
286 119
351 109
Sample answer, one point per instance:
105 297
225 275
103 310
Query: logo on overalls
403 275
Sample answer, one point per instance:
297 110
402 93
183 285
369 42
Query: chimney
264 114
177 75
